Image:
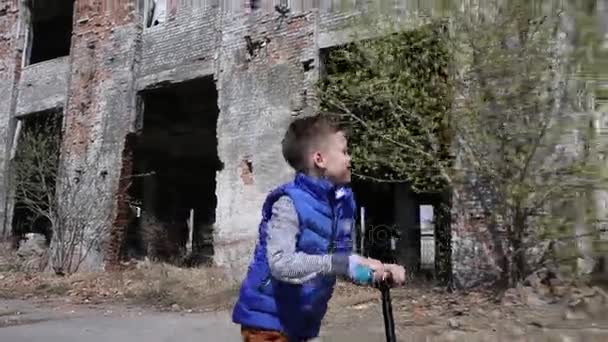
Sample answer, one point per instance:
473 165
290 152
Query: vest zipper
333 228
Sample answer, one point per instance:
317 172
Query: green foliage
392 94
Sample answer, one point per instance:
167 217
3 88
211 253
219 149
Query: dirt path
25 322
418 316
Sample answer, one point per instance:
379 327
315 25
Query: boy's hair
302 135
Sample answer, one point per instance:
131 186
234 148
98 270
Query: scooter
387 308
382 247
387 311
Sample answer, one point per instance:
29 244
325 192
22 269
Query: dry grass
9 261
191 288
147 284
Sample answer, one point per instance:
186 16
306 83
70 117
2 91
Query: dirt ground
426 314
421 312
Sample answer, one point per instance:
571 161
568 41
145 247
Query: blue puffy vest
326 216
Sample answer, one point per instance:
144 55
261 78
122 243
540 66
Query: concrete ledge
338 30
43 86
330 39
175 75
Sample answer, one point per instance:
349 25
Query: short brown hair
302 134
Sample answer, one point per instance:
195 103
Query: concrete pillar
10 70
99 113
259 91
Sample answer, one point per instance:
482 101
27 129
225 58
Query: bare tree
77 200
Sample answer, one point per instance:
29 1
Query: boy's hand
361 274
373 267
395 273
376 266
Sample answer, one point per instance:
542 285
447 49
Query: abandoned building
192 95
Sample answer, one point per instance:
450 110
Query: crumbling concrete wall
262 83
10 69
100 107
265 66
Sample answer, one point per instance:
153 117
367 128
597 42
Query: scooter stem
387 312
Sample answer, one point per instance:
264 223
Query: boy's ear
318 160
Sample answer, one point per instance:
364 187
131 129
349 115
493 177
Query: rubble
585 266
453 323
586 303
540 288
544 288
32 252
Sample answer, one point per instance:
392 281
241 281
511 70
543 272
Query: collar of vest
321 188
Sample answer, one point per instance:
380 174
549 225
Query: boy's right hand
361 274
365 270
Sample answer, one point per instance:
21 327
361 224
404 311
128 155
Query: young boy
305 240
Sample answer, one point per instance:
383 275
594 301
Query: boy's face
332 158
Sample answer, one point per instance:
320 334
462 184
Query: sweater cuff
340 263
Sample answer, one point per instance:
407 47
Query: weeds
146 284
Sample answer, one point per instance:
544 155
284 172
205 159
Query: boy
305 240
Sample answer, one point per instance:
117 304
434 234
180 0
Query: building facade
198 93
195 94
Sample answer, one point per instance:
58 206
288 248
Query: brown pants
255 335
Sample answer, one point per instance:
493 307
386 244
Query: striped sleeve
288 265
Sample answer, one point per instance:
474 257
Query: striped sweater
288 265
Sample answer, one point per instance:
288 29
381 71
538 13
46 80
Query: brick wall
188 37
